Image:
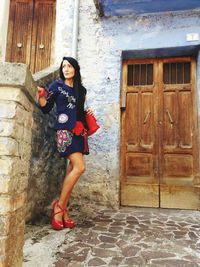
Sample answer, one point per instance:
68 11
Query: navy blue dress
64 97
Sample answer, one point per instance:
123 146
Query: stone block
6 164
2 247
2 261
17 74
7 128
19 184
11 203
11 128
5 225
16 95
16 185
13 166
21 166
16 130
46 76
7 109
14 175
25 151
24 117
4 184
8 147
27 135
5 205
13 245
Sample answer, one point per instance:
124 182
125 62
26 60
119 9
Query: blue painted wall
127 7
151 31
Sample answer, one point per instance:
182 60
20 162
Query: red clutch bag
91 123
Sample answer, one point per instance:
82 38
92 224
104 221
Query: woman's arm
47 102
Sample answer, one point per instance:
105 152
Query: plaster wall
4 13
101 42
100 45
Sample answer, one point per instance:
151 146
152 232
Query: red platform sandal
57 225
69 223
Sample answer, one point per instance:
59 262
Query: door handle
146 117
170 117
41 46
19 45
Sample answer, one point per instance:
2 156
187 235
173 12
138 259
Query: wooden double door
159 134
31 33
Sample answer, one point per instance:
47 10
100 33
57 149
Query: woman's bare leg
72 176
69 168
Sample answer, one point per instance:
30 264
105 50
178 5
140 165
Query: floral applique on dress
64 139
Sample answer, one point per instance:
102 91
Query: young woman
69 95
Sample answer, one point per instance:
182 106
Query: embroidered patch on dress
62 118
64 139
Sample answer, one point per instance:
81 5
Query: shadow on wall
46 168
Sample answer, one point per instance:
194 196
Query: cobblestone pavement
126 237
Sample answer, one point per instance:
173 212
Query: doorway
159 134
31 33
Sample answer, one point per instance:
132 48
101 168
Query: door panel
132 126
140 195
19 31
43 29
140 185
30 33
159 148
147 121
185 125
178 165
170 121
177 178
180 197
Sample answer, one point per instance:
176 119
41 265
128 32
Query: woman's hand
40 92
89 111
41 96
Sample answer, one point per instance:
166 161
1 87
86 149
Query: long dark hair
80 91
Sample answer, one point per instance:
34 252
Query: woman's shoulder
54 85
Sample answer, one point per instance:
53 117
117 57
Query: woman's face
68 70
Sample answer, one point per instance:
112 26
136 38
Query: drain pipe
75 29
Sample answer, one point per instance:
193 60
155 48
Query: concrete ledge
191 50
46 76
18 75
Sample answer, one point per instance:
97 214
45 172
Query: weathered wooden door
159 136
31 33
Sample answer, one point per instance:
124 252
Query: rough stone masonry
15 152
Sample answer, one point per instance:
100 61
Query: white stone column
4 14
